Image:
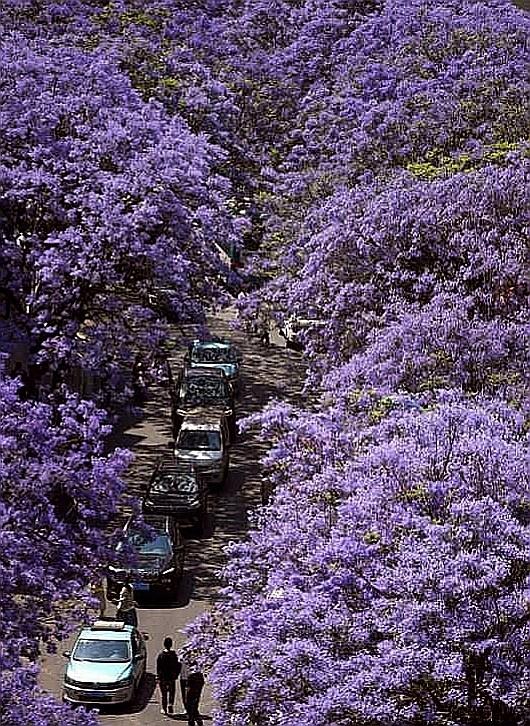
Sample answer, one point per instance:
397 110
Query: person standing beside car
167 671
126 609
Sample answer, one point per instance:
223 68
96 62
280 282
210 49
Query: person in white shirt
184 671
126 609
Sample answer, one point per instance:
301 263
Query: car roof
98 631
201 371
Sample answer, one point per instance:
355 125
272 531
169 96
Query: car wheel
175 585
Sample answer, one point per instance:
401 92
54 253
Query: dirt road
267 373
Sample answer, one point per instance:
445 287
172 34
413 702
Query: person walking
126 609
167 672
194 686
264 333
184 671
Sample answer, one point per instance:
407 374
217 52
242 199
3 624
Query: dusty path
267 373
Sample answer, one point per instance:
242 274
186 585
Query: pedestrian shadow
184 717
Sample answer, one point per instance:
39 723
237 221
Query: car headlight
113 569
124 682
169 571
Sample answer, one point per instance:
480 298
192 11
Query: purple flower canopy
387 580
112 187
375 154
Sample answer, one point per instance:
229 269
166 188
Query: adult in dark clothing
167 671
194 686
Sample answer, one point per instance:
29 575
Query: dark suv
216 353
198 390
179 491
158 556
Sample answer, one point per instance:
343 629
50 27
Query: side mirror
138 657
145 636
67 654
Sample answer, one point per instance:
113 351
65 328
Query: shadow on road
178 600
268 374
138 704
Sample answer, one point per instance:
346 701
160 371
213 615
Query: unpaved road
267 373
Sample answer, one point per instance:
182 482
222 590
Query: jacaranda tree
60 492
387 580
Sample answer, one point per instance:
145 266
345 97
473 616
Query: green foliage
438 165
381 409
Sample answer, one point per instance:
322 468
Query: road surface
268 373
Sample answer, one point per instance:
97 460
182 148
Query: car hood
230 369
85 671
199 457
151 564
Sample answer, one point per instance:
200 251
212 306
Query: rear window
199 440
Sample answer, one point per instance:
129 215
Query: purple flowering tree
59 493
399 592
104 198
387 580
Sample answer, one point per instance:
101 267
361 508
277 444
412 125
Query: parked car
179 491
158 548
294 328
216 353
201 389
106 664
203 442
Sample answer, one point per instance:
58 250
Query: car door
139 656
224 443
203 492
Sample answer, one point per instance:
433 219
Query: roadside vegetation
372 160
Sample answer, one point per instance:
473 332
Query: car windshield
158 545
192 440
102 651
213 354
204 390
168 483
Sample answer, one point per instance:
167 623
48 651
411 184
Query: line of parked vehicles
108 659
